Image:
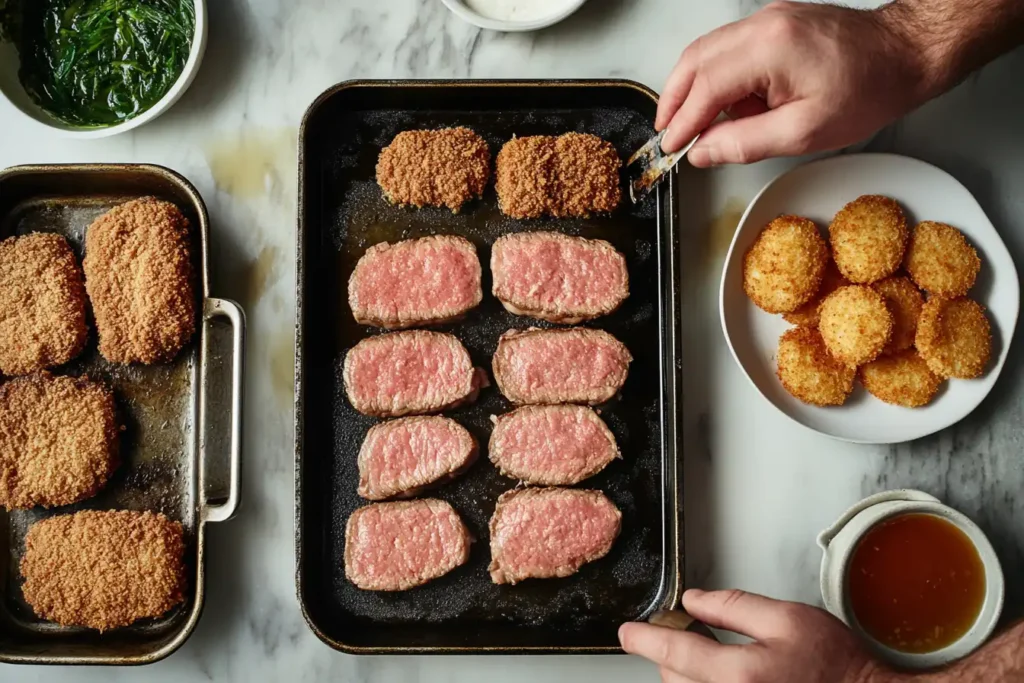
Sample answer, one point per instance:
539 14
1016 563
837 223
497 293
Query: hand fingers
751 105
746 613
687 654
670 676
779 132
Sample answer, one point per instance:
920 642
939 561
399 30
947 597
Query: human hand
794 78
795 643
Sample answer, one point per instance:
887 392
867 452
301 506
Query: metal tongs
649 164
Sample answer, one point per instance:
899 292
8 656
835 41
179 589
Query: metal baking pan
182 443
341 214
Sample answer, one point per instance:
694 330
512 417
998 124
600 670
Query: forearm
952 38
1001 661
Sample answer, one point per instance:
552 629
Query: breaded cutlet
103 570
444 167
139 276
42 304
575 175
58 440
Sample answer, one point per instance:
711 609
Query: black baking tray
182 419
341 214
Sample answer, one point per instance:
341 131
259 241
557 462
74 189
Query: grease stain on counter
253 162
722 227
282 368
259 273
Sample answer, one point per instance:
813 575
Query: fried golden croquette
139 276
783 269
103 570
807 315
855 324
954 337
809 372
902 379
42 304
868 237
904 300
575 175
58 440
940 260
444 167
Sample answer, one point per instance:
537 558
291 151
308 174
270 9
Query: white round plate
460 9
818 190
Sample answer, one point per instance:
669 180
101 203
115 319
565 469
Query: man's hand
795 643
796 77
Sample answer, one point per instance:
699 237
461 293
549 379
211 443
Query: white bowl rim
459 8
185 78
996 369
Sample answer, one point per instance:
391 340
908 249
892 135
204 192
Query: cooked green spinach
101 62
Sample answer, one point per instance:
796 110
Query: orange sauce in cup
915 583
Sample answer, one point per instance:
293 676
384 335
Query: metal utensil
649 163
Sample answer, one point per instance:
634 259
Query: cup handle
826 536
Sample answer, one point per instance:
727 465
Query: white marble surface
758 487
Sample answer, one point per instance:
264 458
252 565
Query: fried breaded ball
103 570
855 324
868 237
954 337
783 269
42 304
525 176
904 300
940 260
807 315
138 272
444 167
808 372
58 440
902 379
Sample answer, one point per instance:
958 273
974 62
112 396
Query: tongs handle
229 310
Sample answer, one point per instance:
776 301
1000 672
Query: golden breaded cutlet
444 167
940 260
783 269
868 237
808 314
954 337
42 304
855 324
904 300
902 379
103 570
808 372
58 440
139 276
525 176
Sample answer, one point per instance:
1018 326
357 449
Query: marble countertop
758 487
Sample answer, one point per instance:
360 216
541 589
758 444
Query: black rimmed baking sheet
341 214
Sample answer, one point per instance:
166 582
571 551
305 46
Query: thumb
786 131
745 613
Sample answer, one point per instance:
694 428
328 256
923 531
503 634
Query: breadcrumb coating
575 175
940 260
103 570
139 276
855 324
58 440
902 379
808 314
868 237
444 167
42 304
904 300
808 372
784 268
954 337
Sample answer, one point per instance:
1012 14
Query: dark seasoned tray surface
345 214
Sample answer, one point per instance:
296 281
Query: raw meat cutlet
58 440
551 445
138 272
575 365
445 167
397 546
42 304
409 373
402 457
415 282
550 532
574 175
555 277
103 570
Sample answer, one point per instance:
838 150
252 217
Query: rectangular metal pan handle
225 308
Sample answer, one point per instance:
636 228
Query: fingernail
623 631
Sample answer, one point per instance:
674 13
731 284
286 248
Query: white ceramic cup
840 540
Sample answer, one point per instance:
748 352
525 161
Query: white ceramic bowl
818 190
11 87
839 541
562 10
